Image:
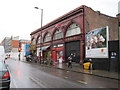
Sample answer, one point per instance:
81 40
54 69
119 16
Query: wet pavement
32 75
79 68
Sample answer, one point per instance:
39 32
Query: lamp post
41 27
41 14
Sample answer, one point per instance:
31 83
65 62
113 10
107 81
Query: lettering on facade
57 45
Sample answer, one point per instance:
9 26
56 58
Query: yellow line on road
68 71
83 82
65 77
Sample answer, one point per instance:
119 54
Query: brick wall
15 43
94 20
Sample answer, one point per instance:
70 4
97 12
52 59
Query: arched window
39 39
73 29
33 41
47 37
58 34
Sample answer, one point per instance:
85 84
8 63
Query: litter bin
87 66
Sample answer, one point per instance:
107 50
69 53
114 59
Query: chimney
118 15
98 12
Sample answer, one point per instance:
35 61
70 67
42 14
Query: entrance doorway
57 56
47 55
72 48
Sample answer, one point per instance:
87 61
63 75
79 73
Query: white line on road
37 82
12 79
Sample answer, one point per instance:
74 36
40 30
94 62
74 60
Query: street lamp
41 27
41 14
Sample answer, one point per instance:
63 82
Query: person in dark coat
70 61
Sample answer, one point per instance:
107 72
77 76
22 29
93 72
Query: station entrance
72 48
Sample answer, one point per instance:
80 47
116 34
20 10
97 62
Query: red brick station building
66 36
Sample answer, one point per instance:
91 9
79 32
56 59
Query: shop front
57 53
45 53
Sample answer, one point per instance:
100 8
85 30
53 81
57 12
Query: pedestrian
19 56
91 64
9 55
5 59
70 61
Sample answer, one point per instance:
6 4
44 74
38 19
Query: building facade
67 36
12 45
7 44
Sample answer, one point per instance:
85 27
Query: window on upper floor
39 39
47 37
58 34
33 41
73 29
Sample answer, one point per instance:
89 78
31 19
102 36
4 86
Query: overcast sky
20 18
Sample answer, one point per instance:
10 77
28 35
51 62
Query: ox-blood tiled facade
66 35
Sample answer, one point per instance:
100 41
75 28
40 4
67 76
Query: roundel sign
59 26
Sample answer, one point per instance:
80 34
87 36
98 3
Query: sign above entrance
58 26
57 45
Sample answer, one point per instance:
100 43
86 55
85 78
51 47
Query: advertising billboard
25 49
27 52
97 43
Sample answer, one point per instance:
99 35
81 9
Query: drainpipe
82 46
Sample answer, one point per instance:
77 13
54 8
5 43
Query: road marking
65 77
68 71
12 79
38 82
83 82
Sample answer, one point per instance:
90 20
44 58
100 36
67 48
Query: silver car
4 76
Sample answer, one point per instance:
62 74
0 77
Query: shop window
58 34
47 37
33 41
39 39
73 29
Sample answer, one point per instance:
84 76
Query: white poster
97 43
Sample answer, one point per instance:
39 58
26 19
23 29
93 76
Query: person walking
70 61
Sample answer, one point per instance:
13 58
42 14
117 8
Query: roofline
63 17
100 13
67 15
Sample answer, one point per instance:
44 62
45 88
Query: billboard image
25 49
27 52
97 43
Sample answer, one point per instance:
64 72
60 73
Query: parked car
4 76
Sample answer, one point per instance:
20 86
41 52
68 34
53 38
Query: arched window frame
58 34
33 41
73 29
39 39
47 37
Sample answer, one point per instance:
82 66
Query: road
29 75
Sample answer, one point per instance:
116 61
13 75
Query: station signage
57 45
58 26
